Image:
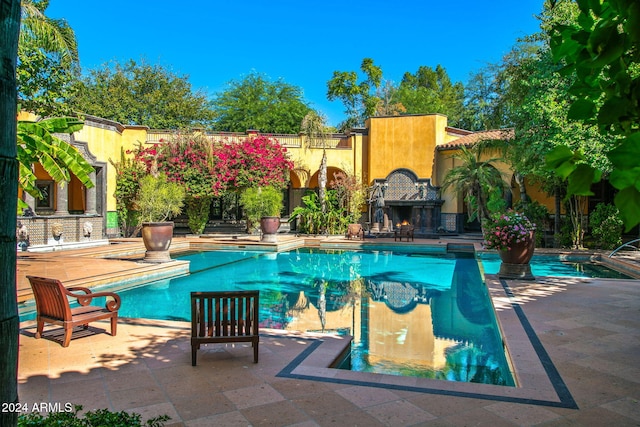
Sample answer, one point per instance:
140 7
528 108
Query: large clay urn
515 260
519 253
157 240
269 226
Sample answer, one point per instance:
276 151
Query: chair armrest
111 305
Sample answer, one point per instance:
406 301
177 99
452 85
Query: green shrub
259 202
97 418
158 199
312 220
198 213
606 226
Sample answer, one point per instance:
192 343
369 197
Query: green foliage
255 102
198 213
312 220
43 84
259 202
350 193
431 91
158 199
36 143
606 226
601 48
47 61
128 174
97 418
479 182
358 97
141 94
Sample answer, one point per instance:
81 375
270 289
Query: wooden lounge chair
223 317
355 231
405 231
52 305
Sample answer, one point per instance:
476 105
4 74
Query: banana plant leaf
36 143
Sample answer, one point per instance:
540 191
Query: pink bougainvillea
254 162
206 169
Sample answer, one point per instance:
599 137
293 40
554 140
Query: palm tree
9 321
52 35
316 133
477 181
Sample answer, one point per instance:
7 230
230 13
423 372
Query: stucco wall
404 142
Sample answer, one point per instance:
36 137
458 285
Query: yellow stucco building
402 160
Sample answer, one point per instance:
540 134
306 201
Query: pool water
551 265
423 315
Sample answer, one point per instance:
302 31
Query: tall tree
526 92
141 94
47 61
255 102
480 98
9 320
601 50
358 97
431 91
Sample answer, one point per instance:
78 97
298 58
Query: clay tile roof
468 140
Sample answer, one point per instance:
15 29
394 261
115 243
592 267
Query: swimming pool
424 315
553 265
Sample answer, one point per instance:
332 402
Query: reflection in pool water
409 314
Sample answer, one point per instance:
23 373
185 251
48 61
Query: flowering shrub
503 230
255 162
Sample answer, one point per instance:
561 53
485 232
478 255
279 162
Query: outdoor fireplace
403 198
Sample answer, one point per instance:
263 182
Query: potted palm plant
157 201
263 205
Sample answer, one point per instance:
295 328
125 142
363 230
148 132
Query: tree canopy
255 102
358 97
601 50
431 91
141 94
47 61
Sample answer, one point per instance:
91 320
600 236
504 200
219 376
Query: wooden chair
355 231
223 317
52 305
404 231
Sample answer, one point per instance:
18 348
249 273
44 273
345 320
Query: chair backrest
50 296
224 314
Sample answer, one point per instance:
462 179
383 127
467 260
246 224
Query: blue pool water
551 265
410 314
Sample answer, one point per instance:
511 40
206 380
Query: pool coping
538 381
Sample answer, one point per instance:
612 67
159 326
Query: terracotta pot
157 240
269 226
515 261
520 253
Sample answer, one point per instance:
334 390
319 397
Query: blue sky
303 42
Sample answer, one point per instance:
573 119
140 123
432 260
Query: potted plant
512 234
263 205
157 201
